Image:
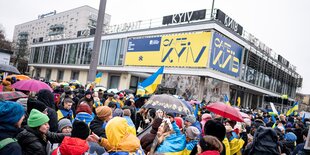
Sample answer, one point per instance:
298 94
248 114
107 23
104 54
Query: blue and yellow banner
175 50
294 108
225 55
150 84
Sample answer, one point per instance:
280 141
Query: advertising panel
225 55
178 50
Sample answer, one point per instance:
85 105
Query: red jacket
72 146
213 152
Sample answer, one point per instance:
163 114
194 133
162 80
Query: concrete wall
124 81
83 77
43 72
67 75
54 74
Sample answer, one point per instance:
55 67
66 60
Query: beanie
290 137
35 104
179 122
118 112
37 118
64 123
84 107
190 118
10 112
192 132
80 129
215 128
103 111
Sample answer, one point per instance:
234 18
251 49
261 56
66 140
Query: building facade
69 24
5 56
204 58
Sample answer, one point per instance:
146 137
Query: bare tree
4 43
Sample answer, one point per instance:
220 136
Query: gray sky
283 25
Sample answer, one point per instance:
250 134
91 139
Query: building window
60 75
72 54
75 75
48 74
46 54
133 83
58 54
114 81
36 55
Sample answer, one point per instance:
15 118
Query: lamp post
212 8
97 41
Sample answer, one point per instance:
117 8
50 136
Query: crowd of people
72 120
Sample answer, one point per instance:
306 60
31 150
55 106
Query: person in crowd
112 105
11 117
159 113
64 126
192 137
119 141
218 130
299 150
34 104
87 98
77 144
109 99
65 110
47 97
140 117
34 138
127 115
204 118
131 106
84 113
299 127
235 142
147 140
190 120
209 145
120 99
179 122
289 140
98 125
169 139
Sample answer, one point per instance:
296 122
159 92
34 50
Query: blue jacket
175 143
9 131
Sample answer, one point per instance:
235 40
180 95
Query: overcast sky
283 25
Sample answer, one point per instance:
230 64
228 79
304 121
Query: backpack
6 141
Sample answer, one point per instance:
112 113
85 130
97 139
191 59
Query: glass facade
264 72
112 53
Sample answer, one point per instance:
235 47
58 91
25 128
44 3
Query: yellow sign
183 50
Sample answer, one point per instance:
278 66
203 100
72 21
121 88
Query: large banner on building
176 50
225 55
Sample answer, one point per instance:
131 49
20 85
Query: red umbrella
31 85
225 110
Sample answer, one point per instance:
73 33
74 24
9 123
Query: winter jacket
190 146
9 131
64 113
298 133
72 146
97 126
147 140
33 143
83 116
299 148
174 143
53 122
210 153
119 139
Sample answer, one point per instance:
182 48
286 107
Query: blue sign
225 55
144 44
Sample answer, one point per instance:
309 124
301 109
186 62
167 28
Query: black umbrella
9 68
167 103
129 91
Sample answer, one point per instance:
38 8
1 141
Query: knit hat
215 128
84 107
192 132
190 118
37 118
170 114
156 123
80 129
118 112
64 123
10 112
35 104
103 111
290 137
121 95
88 92
179 122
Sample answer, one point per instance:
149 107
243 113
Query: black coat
53 122
33 143
298 133
7 131
96 127
147 141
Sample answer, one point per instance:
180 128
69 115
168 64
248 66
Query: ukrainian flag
226 100
294 108
150 84
98 78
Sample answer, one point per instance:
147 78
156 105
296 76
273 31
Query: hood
73 146
47 98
